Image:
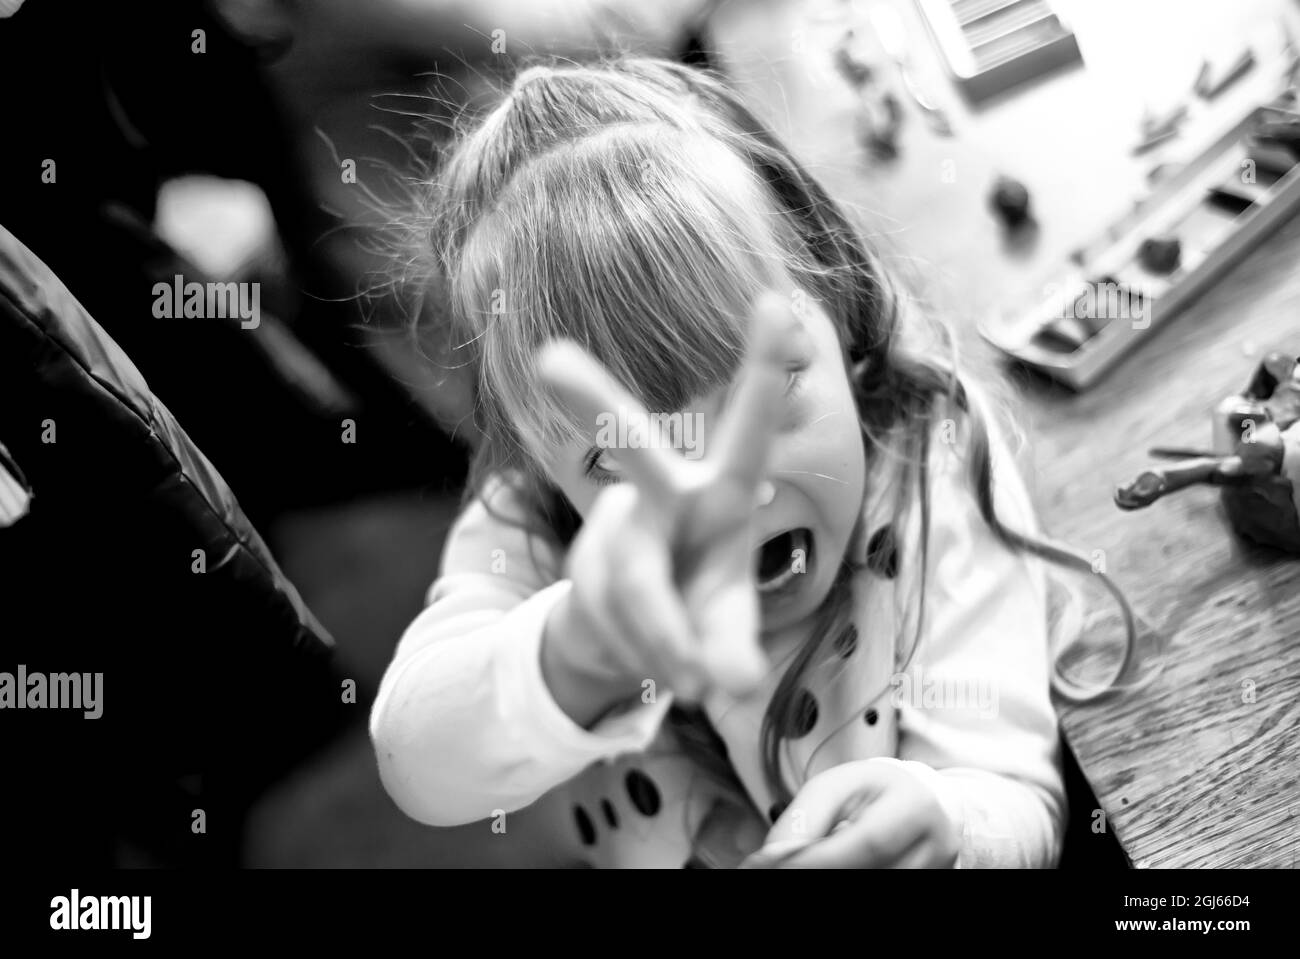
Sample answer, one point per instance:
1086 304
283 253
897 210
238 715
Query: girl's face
809 504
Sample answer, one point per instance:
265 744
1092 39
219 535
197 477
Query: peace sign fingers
669 580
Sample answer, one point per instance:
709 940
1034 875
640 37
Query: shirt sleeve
464 726
977 722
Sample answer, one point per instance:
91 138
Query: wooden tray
1219 206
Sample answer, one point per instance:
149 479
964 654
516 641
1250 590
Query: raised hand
663 569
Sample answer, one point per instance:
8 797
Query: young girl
797 597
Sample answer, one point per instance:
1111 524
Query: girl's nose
766 493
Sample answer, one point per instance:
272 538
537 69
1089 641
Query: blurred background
268 141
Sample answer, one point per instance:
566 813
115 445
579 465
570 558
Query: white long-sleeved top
465 728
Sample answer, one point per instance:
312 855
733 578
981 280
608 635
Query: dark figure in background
215 684
121 100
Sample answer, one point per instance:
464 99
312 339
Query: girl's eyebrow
589 459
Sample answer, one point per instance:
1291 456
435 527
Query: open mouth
783 557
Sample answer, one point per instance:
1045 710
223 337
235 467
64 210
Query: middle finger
745 433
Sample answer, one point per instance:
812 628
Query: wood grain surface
1199 764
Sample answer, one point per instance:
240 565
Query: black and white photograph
529 435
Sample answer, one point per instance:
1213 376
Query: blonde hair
637 207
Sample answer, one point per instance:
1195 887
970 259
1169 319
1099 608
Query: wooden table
1200 765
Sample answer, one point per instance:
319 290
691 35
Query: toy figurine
879 115
1256 459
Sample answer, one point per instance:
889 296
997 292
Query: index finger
597 398
745 433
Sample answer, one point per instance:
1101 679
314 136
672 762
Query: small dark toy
1256 459
1010 201
1160 254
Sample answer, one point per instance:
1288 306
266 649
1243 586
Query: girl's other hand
663 568
861 815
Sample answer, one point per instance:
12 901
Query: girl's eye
795 383
603 468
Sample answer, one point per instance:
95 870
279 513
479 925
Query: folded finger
878 837
730 649
651 610
821 804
